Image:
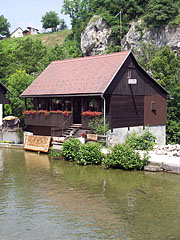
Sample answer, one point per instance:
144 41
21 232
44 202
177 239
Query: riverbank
12 145
162 158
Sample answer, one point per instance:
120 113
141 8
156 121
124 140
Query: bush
97 125
70 149
123 156
141 141
54 153
89 153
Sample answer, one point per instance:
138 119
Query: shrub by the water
70 148
123 156
54 153
141 141
89 153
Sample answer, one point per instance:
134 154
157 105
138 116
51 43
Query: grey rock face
167 36
96 37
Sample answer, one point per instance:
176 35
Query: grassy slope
50 39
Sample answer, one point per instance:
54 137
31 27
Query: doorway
77 110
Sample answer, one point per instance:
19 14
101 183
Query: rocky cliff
166 36
96 37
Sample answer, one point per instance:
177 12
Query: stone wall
118 135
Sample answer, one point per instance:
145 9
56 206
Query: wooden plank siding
126 111
145 85
157 117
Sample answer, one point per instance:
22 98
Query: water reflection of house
113 84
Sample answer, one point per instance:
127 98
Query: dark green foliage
4 26
89 153
97 125
62 25
17 83
160 12
173 117
50 20
54 153
28 53
57 52
141 140
123 156
165 67
70 149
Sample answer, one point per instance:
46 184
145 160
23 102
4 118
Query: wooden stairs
72 130
68 133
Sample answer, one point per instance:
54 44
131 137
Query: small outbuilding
73 91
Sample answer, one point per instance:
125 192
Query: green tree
165 67
28 54
173 116
160 12
55 53
4 26
62 25
17 83
50 20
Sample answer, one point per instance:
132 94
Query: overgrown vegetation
97 125
89 153
53 153
142 140
70 149
125 157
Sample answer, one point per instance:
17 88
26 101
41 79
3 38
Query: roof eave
64 95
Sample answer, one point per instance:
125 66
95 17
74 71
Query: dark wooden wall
127 111
145 86
157 117
130 104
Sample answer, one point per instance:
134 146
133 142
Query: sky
23 13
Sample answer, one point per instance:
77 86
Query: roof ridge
92 57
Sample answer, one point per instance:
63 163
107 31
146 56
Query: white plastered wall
118 135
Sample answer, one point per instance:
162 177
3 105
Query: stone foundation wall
118 135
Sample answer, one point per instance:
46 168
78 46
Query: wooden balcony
51 120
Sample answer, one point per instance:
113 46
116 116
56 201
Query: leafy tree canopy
4 26
160 12
17 83
50 20
62 25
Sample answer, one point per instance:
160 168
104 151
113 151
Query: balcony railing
45 118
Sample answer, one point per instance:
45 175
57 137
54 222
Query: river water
42 198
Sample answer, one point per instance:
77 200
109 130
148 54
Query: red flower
91 113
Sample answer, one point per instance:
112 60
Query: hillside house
114 84
31 31
18 32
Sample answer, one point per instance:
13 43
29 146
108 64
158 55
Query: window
129 73
153 107
61 104
93 105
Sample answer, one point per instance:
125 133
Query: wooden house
3 100
114 84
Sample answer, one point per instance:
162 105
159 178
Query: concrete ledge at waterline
12 145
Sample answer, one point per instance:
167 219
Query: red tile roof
85 75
